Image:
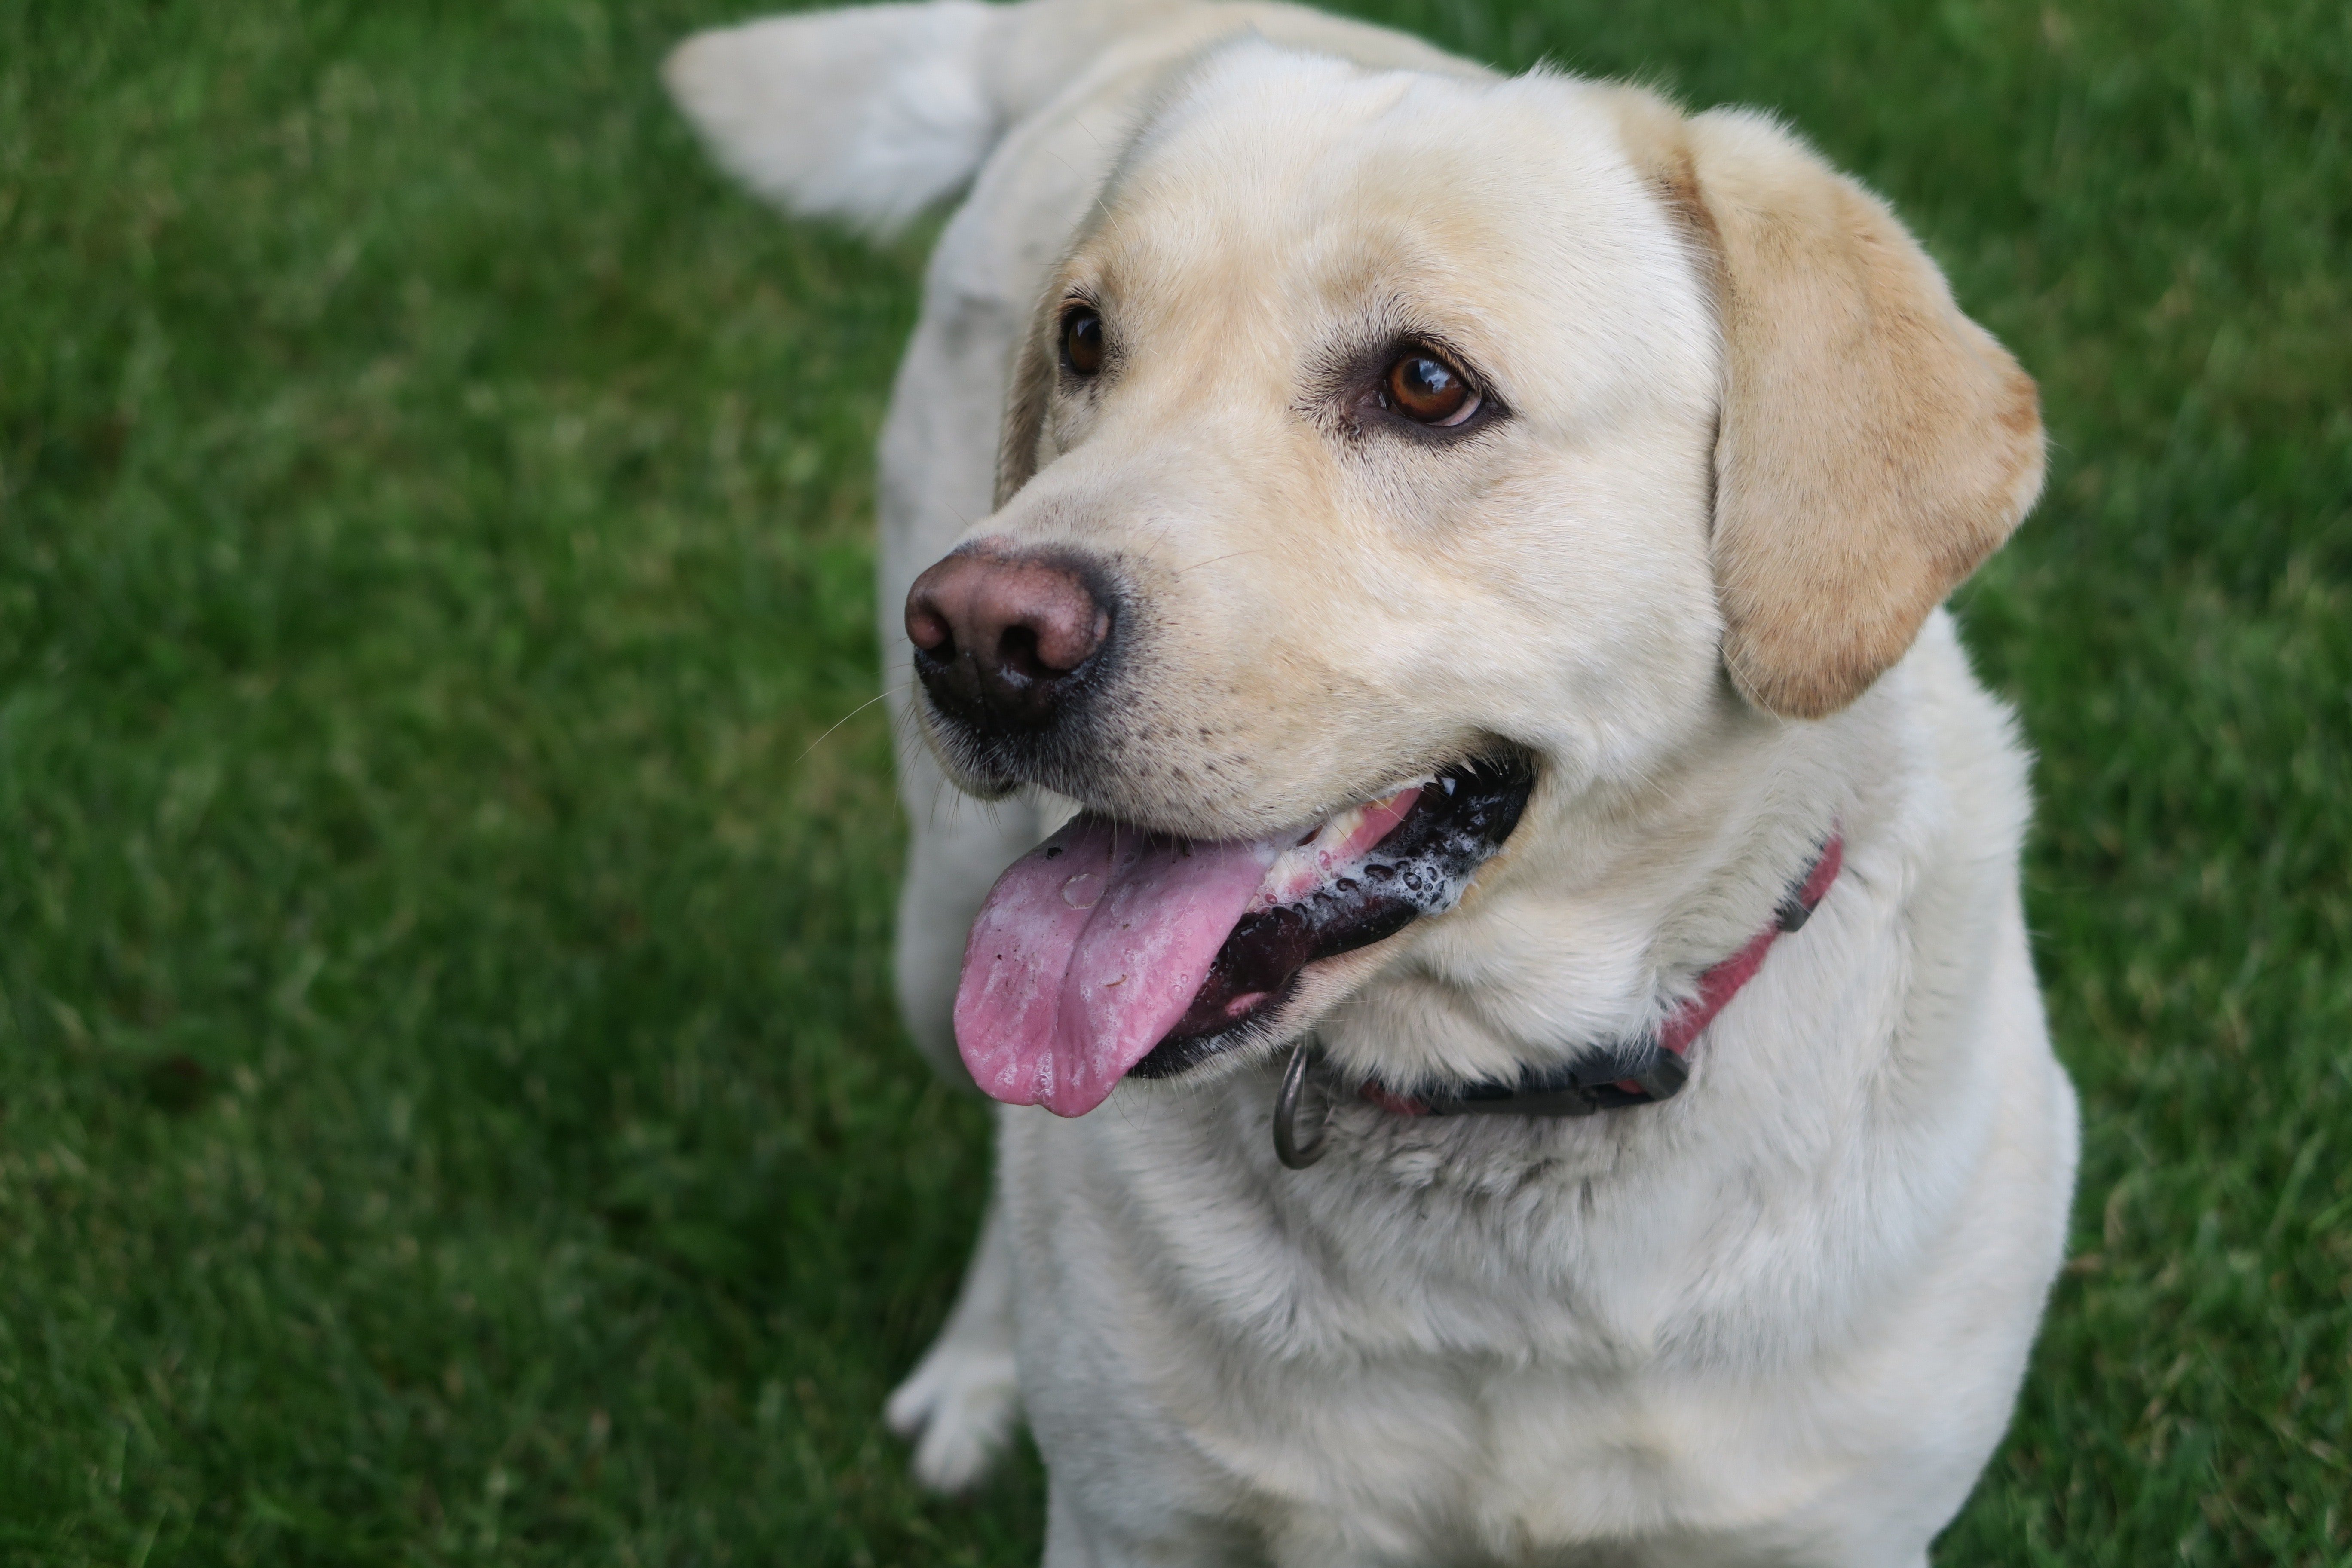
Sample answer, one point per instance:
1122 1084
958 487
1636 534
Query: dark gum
1420 869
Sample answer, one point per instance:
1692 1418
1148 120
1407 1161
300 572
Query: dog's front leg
1074 1540
960 1401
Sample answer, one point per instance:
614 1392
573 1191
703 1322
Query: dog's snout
998 638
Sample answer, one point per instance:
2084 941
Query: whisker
1214 559
880 696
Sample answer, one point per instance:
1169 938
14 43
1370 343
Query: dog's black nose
998 638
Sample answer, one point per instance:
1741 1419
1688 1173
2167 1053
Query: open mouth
1107 950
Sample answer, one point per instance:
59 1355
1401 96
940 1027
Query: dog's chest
1511 1366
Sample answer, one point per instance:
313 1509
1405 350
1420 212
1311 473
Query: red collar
1639 1071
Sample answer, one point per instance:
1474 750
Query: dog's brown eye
1081 341
1422 387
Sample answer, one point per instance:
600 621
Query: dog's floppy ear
1875 445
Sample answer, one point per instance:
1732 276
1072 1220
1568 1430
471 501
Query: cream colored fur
1750 443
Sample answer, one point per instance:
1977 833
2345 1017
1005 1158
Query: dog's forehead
1278 179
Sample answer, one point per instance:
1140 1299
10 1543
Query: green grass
450 1108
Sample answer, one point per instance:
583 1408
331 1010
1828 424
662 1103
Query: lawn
450 1104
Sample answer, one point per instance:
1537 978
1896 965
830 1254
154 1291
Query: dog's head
1388 447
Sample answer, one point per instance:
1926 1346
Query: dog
1444 801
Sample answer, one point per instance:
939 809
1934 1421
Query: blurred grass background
450 1107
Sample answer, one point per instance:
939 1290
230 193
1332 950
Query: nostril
927 629
1016 652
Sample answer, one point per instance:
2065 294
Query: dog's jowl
1443 802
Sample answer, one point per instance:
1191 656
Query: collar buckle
1296 1153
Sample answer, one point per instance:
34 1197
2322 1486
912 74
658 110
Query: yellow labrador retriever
1518 1038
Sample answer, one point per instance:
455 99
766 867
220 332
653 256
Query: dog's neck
1603 925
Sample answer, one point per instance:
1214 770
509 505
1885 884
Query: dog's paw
958 1407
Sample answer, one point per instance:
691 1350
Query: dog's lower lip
1461 819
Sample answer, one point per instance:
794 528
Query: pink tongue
1088 950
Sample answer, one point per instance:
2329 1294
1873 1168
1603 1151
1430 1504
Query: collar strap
1639 1071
